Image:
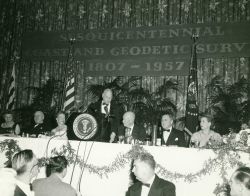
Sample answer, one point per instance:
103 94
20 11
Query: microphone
108 116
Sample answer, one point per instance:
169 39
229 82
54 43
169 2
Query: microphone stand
84 165
78 148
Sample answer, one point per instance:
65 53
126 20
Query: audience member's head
107 96
25 164
57 165
144 167
60 118
206 122
167 120
240 182
128 119
38 117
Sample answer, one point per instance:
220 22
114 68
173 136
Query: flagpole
195 37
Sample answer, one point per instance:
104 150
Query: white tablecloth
174 159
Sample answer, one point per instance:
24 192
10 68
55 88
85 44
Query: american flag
191 121
69 98
11 93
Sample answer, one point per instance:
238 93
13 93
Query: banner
162 50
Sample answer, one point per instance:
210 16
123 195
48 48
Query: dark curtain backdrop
20 16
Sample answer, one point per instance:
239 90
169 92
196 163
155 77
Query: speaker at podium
81 126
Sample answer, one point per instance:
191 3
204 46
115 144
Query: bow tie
146 184
168 130
105 104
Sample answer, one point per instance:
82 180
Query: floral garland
224 152
10 147
234 142
222 190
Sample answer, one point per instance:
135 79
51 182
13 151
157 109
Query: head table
107 167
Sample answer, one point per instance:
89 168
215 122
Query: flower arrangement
244 137
222 190
239 140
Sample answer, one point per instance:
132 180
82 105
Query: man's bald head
128 119
38 117
107 96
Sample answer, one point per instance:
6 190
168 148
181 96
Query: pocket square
176 139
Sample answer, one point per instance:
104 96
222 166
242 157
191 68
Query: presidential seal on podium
85 126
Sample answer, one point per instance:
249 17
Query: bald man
130 128
108 117
39 126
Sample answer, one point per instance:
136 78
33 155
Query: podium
81 126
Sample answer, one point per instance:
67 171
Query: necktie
146 184
127 132
128 136
106 108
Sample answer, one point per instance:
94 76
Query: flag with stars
69 97
191 117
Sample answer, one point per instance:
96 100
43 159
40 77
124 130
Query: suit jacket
19 192
138 132
52 186
39 129
176 137
106 124
159 187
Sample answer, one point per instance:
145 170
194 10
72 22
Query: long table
194 172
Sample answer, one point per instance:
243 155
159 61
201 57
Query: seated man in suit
170 135
149 183
129 130
25 165
53 185
107 115
39 127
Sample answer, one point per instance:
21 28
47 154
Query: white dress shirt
25 188
130 131
103 110
166 134
145 189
